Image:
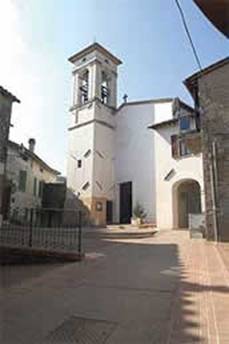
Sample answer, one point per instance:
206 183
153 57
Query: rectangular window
184 150
86 186
79 163
179 147
76 117
184 123
35 186
88 152
22 181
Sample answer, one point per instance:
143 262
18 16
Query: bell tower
90 162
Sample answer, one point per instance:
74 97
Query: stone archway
186 200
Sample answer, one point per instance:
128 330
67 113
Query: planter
136 221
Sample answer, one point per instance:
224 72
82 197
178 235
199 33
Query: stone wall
214 100
5 113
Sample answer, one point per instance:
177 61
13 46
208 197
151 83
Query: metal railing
46 229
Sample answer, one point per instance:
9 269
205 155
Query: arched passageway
187 200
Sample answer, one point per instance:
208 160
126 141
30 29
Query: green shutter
174 146
35 186
40 192
22 181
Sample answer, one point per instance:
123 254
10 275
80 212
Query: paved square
81 331
164 289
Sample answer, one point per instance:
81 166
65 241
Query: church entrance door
125 202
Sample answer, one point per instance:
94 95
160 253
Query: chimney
32 143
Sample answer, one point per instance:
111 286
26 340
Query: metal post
31 228
80 233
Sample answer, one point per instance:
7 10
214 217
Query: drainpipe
214 178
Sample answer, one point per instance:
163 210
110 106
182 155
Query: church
136 153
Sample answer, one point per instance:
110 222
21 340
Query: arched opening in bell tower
84 81
104 88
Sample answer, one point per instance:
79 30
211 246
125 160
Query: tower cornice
91 48
90 102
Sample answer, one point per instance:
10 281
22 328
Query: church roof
91 48
15 146
146 101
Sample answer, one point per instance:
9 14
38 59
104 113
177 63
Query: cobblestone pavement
160 289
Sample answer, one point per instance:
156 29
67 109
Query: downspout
214 178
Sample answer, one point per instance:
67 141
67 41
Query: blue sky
39 35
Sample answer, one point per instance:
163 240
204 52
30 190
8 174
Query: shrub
139 211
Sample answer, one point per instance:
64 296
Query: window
84 87
184 123
183 148
35 186
87 154
86 186
79 163
179 147
76 117
22 181
104 89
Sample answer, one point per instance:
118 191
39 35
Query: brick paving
200 311
164 289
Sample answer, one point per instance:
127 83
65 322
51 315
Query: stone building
113 157
27 176
210 90
6 101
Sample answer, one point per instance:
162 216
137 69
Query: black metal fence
46 229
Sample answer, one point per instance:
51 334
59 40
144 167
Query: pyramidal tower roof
91 48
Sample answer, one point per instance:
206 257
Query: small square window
79 163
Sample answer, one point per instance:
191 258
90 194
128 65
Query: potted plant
139 215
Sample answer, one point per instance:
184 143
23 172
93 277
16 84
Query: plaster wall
188 167
103 176
163 112
81 140
134 153
26 199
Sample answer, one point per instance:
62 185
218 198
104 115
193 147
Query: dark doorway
188 201
109 212
125 202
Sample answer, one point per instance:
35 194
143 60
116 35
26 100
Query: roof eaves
92 47
34 156
8 94
163 124
146 101
191 80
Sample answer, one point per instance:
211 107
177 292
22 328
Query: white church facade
121 156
